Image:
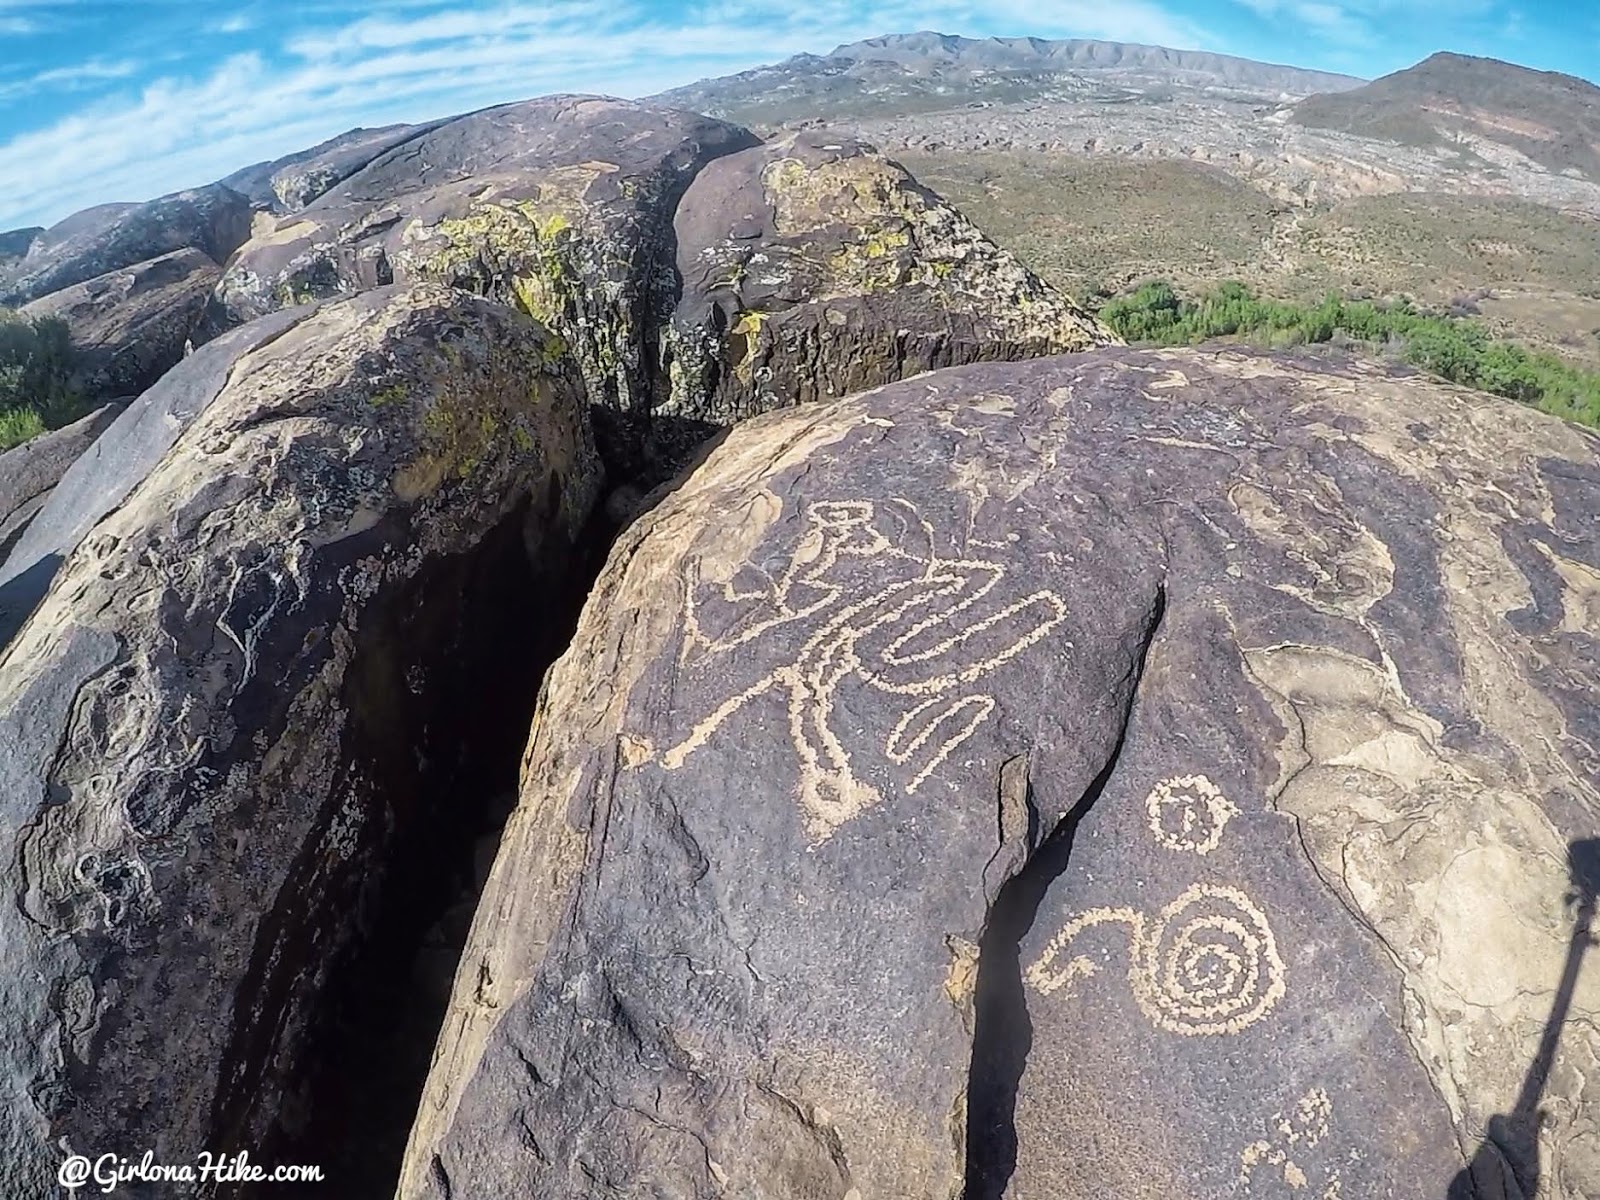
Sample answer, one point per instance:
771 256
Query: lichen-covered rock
30 472
1139 774
214 220
236 696
562 206
130 326
815 268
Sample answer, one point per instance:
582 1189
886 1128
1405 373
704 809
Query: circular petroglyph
1188 813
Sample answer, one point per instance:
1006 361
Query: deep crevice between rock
1002 1036
385 999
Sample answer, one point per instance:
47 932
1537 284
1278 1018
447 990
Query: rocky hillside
1481 107
622 659
934 70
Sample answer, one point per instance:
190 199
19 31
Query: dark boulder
236 697
1137 774
213 220
814 267
125 453
130 326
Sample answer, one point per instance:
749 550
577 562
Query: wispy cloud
65 79
343 65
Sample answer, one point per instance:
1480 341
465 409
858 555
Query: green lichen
290 294
394 394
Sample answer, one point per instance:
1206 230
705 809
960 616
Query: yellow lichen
743 341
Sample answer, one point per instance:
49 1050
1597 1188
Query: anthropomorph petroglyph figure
1206 964
1268 1166
886 609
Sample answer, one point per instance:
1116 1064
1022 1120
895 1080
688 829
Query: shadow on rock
1506 1166
21 594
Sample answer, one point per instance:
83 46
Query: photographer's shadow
1506 1166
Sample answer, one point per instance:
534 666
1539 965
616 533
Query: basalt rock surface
129 327
245 687
814 268
562 206
213 220
30 472
1151 774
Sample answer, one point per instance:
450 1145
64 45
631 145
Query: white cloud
1122 21
1325 19
412 61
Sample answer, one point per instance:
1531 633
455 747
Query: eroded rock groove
1002 1030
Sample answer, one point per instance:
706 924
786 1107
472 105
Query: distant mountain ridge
1550 118
930 70
1079 54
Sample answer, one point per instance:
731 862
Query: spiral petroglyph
1207 964
1188 813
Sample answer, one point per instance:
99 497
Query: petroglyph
1302 1127
1188 813
1208 963
891 612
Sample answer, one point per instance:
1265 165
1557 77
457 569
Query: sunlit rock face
1148 774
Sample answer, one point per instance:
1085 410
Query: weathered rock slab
213 220
290 183
1140 774
227 706
130 326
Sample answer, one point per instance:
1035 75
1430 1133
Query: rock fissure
1002 1030
385 1001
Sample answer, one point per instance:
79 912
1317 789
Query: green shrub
1453 348
36 365
17 425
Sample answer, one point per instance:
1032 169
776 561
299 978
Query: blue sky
128 99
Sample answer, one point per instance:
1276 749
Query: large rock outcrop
30 472
813 268
130 326
244 687
214 220
561 205
1138 774
696 276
